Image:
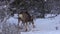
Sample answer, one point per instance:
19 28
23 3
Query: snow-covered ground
42 32
43 26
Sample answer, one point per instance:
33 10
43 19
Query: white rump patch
20 15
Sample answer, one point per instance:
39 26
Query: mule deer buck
25 18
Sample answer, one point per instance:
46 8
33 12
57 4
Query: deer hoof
26 30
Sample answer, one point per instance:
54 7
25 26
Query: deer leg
22 23
18 26
18 22
33 24
26 26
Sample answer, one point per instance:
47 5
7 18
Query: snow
42 32
43 26
49 15
13 20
